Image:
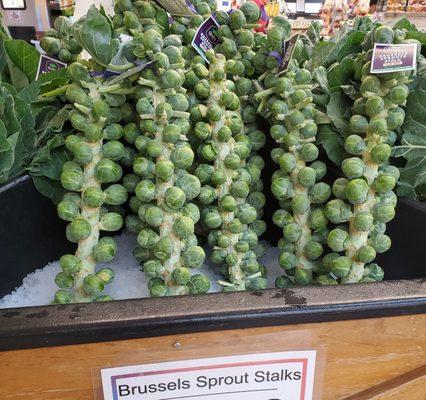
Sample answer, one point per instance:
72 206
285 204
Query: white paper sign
272 376
14 16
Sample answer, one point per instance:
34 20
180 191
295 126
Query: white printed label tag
272 376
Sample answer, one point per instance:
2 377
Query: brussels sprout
338 240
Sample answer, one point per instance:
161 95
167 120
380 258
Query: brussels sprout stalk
166 228
297 185
236 275
222 144
83 178
364 197
167 243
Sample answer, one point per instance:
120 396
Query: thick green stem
301 219
236 275
91 215
166 228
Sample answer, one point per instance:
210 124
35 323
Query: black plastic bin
31 235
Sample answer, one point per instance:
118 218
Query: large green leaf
24 56
339 111
332 143
3 59
404 23
320 53
413 147
341 73
349 44
94 34
50 188
162 19
320 76
6 153
420 36
17 78
46 168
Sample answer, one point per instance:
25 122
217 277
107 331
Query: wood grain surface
386 356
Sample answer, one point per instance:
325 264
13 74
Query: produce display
175 143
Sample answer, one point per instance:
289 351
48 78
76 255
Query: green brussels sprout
319 193
366 254
64 281
283 282
300 203
378 126
374 271
63 297
302 276
357 191
72 178
374 106
50 45
70 264
383 34
337 211
93 285
341 266
306 177
199 284
292 232
174 198
358 124
384 212
281 188
68 210
116 195
113 132
78 229
353 167
395 118
183 227
384 183
313 250
106 275
181 275
355 145
339 188
145 191
111 222
105 250
130 182
370 84
251 11
317 219
193 257
338 240
113 150
359 106
107 171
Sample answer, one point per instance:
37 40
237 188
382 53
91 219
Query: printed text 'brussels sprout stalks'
167 243
91 180
297 185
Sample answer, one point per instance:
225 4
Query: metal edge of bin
33 327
